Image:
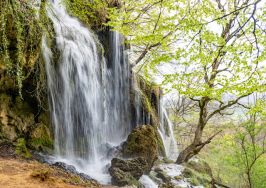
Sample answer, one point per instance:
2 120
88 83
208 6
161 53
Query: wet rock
127 172
71 169
7 149
64 166
18 121
168 175
163 176
142 142
85 176
112 151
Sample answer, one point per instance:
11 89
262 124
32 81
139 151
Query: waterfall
167 133
88 97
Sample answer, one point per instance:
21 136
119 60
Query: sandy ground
18 173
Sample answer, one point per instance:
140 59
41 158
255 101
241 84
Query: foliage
92 13
21 148
195 37
238 157
21 32
151 26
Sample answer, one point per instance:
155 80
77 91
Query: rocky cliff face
23 118
23 106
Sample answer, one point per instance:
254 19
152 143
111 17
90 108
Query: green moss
20 38
92 13
20 43
41 144
41 139
142 142
196 178
21 148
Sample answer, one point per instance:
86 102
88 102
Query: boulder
71 169
142 142
127 172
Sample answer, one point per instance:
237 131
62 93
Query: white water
167 133
147 182
89 101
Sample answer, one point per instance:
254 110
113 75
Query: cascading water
89 101
167 133
89 97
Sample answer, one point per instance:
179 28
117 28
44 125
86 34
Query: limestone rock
16 117
18 120
127 172
142 142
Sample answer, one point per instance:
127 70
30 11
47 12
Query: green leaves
92 13
216 45
20 36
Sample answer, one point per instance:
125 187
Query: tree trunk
249 179
194 148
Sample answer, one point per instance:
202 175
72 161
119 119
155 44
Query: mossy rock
127 172
21 148
198 173
143 142
44 118
200 166
40 138
6 82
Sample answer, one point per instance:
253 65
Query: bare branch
229 104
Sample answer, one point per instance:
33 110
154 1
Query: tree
252 140
218 49
238 157
151 26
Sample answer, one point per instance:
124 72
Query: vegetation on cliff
23 92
